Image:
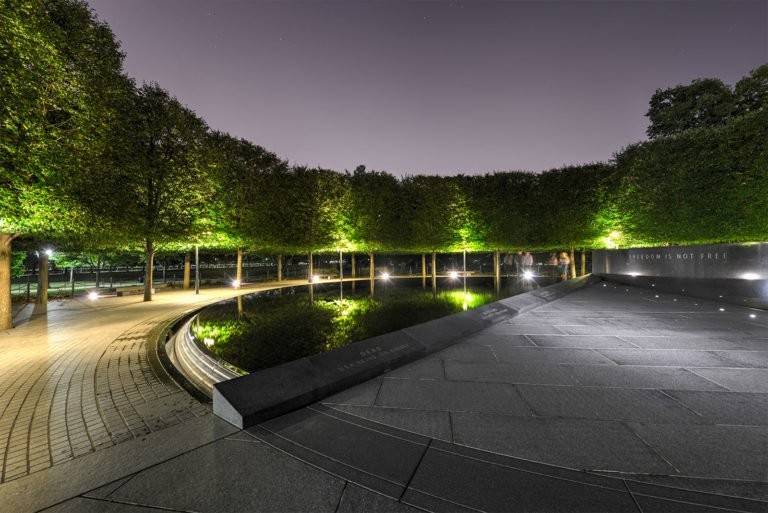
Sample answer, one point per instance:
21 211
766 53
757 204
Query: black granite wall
735 273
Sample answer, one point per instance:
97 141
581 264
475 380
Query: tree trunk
279 267
187 270
423 270
149 253
239 271
6 307
497 272
311 279
372 273
41 303
353 260
98 272
434 274
573 262
72 281
583 262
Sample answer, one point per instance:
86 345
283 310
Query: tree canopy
89 160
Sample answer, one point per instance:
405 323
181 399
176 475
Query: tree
705 102
370 219
59 68
752 91
156 177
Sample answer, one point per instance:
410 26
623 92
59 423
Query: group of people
523 262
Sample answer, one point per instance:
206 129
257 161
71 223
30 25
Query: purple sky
428 87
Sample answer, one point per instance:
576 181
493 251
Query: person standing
518 263
528 262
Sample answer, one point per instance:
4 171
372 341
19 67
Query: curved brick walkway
82 379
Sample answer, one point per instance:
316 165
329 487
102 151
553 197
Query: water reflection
265 329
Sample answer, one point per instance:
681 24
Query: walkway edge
259 396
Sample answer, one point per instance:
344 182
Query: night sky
434 87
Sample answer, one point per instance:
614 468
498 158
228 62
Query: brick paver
79 379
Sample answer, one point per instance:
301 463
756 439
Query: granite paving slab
629 376
699 343
89 505
748 359
603 330
521 328
372 448
230 476
469 483
580 341
575 443
724 452
357 499
421 369
754 490
606 404
667 357
737 380
466 352
500 372
656 505
103 492
486 338
451 395
431 424
363 394
75 477
732 408
551 355
652 497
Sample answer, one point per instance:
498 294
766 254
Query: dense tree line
92 162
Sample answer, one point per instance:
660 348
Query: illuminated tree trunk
372 272
41 303
187 270
497 271
423 271
279 267
583 262
239 271
354 271
573 263
6 307
98 271
149 252
434 274
311 279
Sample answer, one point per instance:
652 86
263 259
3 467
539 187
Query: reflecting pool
265 329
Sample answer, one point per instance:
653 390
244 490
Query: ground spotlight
385 276
315 278
236 284
527 275
453 275
93 296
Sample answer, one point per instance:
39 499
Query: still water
265 329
